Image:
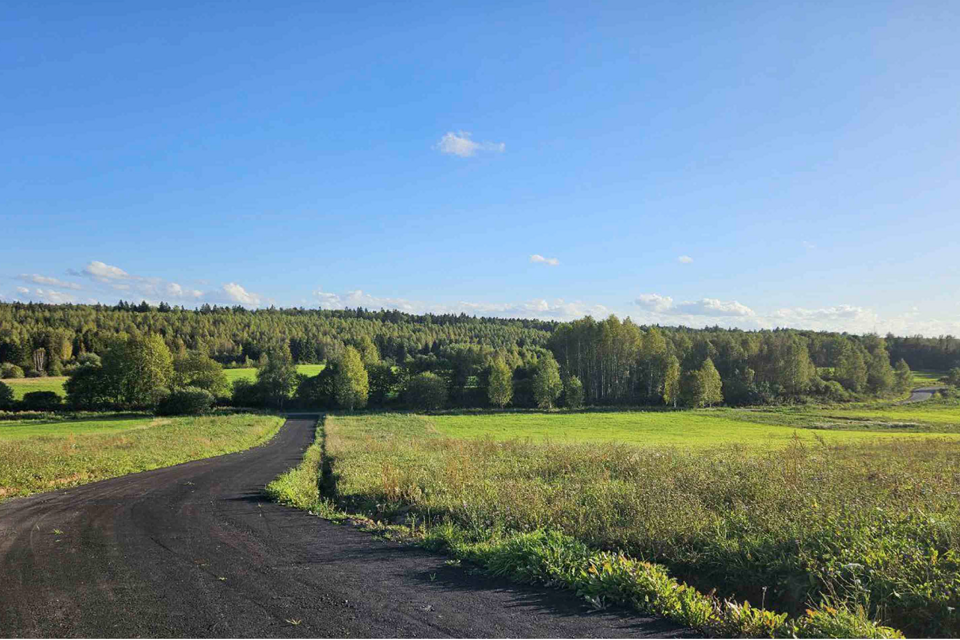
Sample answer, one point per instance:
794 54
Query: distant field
927 378
43 455
702 428
250 373
21 386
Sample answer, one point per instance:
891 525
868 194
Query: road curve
921 394
197 550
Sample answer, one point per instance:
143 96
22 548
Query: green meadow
41 455
21 386
707 427
839 514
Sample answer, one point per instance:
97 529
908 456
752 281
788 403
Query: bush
424 391
6 396
89 388
246 393
189 401
89 359
573 392
41 401
33 373
830 390
10 370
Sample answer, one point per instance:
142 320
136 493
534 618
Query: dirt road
198 550
921 394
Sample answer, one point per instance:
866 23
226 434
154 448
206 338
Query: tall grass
73 455
871 524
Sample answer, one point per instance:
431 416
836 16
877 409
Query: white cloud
460 144
104 272
710 307
537 258
36 278
23 290
236 293
654 302
685 259
53 297
808 245
174 289
714 308
558 309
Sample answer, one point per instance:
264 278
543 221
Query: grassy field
927 378
43 455
21 386
829 519
702 428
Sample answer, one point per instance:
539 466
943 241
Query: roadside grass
74 452
66 426
828 533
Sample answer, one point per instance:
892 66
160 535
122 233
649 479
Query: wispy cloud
49 296
710 307
102 272
36 278
550 262
558 309
460 144
684 259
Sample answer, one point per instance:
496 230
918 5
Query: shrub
90 388
41 401
89 359
246 393
573 392
830 390
33 373
187 401
6 396
424 391
953 377
10 370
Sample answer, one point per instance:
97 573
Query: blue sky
801 158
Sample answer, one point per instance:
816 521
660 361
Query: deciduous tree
500 387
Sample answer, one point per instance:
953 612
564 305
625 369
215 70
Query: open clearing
197 550
40 455
707 427
747 502
21 386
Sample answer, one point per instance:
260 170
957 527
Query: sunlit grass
38 456
696 429
250 373
21 386
783 513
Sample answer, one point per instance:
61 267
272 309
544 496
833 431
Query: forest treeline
460 360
